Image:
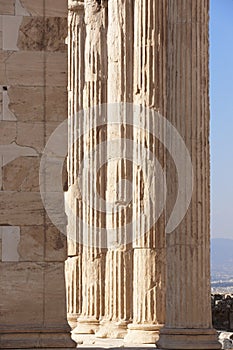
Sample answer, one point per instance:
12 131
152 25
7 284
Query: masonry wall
33 101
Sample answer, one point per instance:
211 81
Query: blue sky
221 105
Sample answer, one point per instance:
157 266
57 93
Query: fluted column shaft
148 246
94 94
188 309
73 266
118 296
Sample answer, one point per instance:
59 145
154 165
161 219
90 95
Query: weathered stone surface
55 244
33 83
4 55
27 103
188 320
116 54
7 7
54 284
34 73
73 277
37 103
45 8
10 30
21 208
31 244
7 132
31 135
39 33
10 237
50 129
22 174
18 280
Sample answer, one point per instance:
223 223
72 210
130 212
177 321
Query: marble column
73 265
118 280
188 308
93 179
148 246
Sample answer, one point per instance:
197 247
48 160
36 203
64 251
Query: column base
86 325
72 320
190 339
35 338
112 329
142 333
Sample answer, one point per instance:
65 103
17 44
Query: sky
221 108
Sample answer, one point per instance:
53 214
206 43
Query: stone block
21 208
55 303
22 174
56 69
20 10
7 7
7 132
31 245
55 244
18 280
30 68
10 30
4 56
31 135
43 33
6 113
45 7
38 103
10 237
24 68
56 103
50 129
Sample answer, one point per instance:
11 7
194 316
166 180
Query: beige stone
188 314
38 34
22 174
34 72
7 7
31 135
20 10
27 103
31 244
21 208
10 236
38 103
54 291
37 8
6 112
73 275
7 132
10 30
25 278
33 93
90 31
4 55
55 244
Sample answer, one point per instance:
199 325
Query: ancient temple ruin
137 264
